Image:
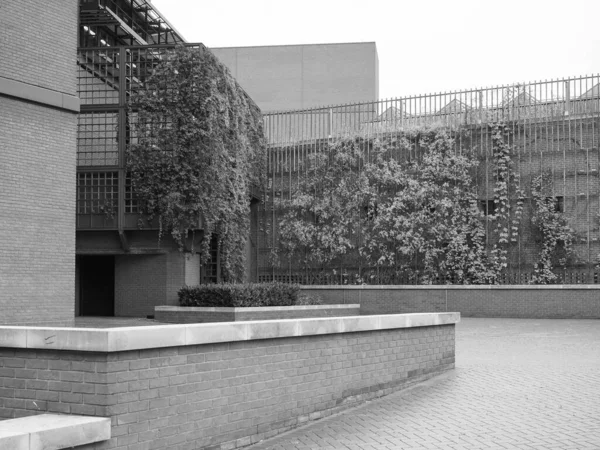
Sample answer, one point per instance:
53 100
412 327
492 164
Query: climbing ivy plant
507 186
322 221
418 212
358 197
556 236
197 148
427 211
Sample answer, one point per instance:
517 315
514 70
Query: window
97 192
488 207
210 271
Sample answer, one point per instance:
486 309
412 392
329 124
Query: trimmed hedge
244 295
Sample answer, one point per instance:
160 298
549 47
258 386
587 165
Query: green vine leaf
557 236
197 148
402 209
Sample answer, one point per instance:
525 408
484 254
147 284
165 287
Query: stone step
52 432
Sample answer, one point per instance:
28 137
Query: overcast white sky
423 46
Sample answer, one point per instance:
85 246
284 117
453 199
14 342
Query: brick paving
518 384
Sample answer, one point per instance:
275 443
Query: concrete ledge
36 94
195 314
136 338
52 432
253 309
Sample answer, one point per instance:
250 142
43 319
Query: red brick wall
576 302
37 213
194 317
236 393
39 43
140 284
37 164
175 277
145 281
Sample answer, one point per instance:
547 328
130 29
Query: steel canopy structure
124 22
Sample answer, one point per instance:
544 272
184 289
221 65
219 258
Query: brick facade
532 302
145 281
37 213
234 393
37 161
39 43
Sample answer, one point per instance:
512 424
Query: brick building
123 269
120 270
75 248
38 125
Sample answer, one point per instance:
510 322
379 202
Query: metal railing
526 102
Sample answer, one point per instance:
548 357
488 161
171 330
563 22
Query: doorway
96 285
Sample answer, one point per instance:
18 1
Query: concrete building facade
290 77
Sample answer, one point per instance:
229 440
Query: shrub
245 295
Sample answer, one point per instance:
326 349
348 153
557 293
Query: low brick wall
531 302
223 385
187 314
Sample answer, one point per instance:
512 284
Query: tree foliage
197 148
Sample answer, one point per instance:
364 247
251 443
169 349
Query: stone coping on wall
253 309
160 336
52 431
451 286
37 94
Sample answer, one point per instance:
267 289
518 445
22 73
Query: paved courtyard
518 384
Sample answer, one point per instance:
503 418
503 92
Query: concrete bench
52 432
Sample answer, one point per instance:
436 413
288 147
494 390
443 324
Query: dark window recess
210 271
370 212
488 207
427 206
559 204
96 285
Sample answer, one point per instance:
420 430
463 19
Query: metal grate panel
98 76
97 139
97 193
132 203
